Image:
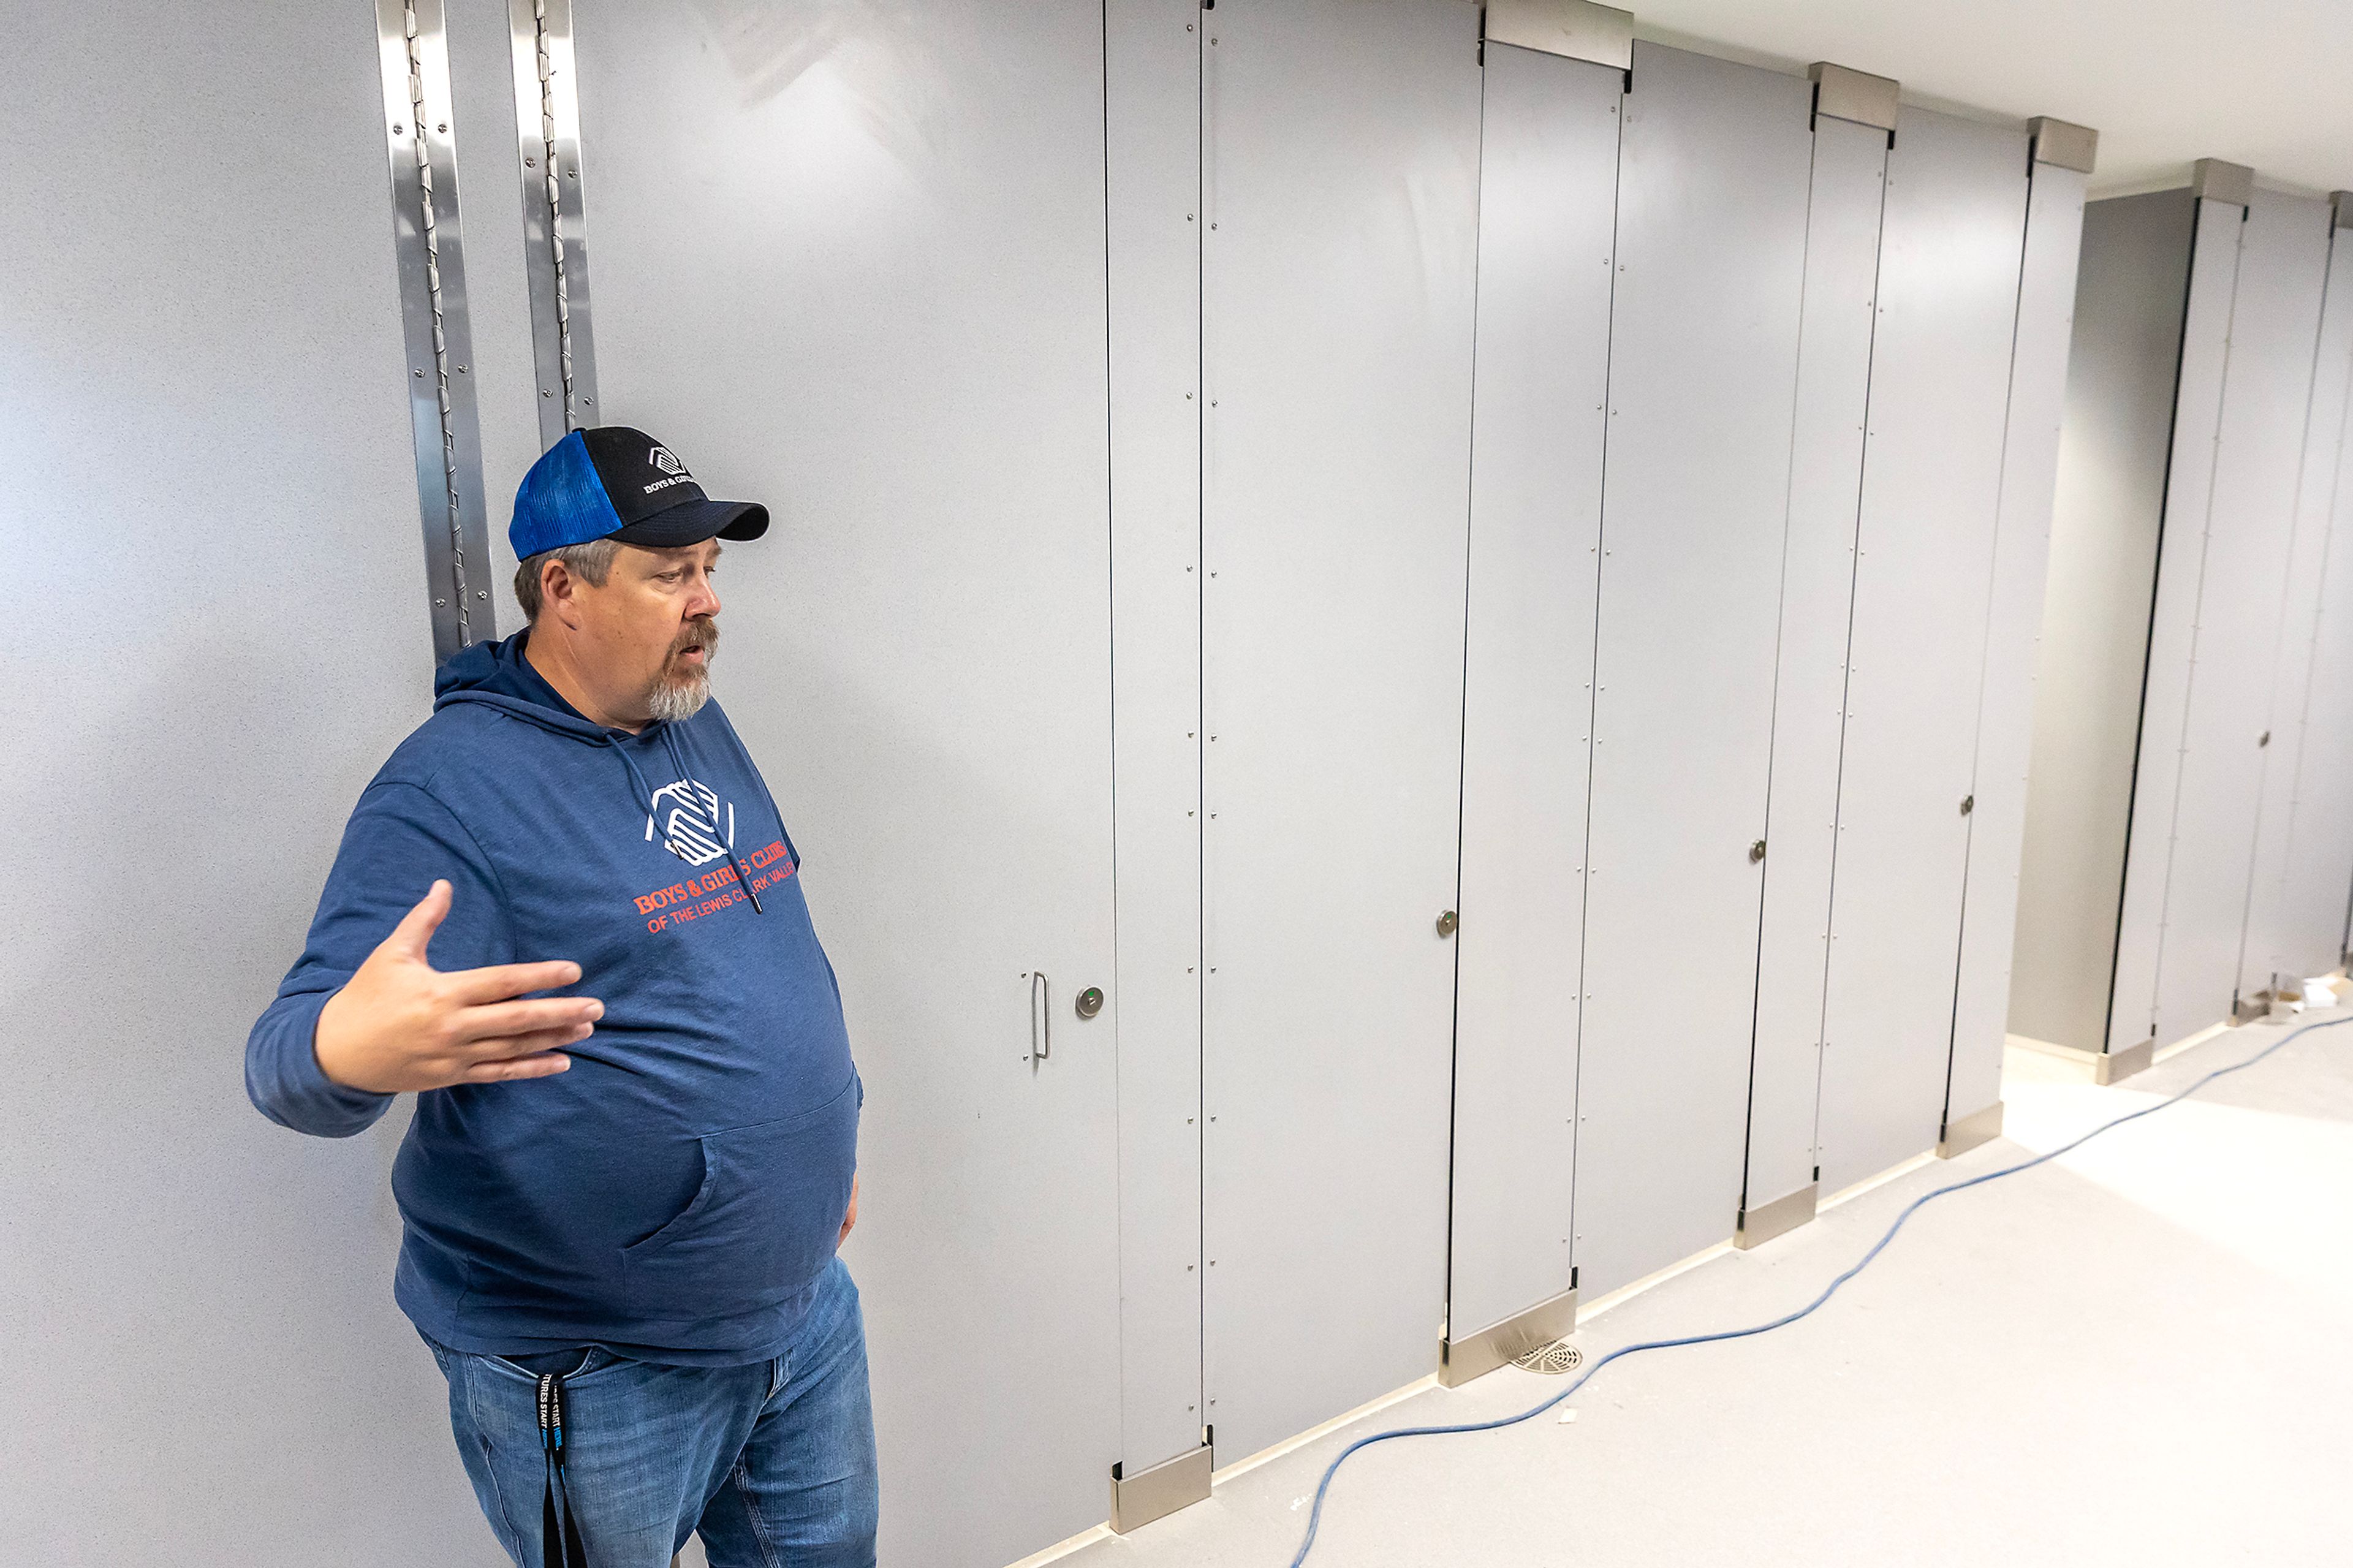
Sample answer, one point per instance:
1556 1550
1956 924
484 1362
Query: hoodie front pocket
760 1228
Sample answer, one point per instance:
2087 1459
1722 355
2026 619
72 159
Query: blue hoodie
675 1196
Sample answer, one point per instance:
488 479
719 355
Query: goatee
680 694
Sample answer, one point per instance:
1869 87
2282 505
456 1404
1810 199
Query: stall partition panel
1341 179
2235 627
1940 364
852 264
1842 222
2214 261
1713 178
1548 206
2317 876
1152 72
2021 555
216 580
2292 933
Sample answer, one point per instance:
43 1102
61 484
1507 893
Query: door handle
1041 1016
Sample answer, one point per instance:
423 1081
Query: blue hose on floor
1316 1516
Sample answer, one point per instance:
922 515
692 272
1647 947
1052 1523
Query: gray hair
590 563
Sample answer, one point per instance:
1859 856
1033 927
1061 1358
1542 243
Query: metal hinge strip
556 251
413 57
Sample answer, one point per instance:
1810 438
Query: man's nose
705 601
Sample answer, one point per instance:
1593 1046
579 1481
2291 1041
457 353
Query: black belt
559 1532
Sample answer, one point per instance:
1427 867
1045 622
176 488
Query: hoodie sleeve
398 841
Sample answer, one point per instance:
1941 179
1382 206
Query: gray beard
673 702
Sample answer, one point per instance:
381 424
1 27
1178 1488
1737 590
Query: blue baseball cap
613 482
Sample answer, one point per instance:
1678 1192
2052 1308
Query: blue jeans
773 1462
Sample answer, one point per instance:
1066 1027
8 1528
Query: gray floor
2141 1354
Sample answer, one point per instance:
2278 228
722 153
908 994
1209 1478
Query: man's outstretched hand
400 1024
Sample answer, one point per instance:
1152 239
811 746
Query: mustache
703 630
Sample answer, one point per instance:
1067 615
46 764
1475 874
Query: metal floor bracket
1758 1225
1459 1361
2114 1066
1970 1131
1137 1499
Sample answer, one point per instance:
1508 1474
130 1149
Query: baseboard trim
2100 1066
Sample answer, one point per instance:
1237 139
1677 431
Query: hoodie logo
689 816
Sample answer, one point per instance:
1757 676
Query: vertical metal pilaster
412 52
556 251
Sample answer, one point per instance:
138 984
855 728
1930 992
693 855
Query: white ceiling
2267 83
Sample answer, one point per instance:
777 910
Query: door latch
1090 1002
1446 923
1757 852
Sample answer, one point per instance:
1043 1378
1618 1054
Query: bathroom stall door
2021 560
1548 216
1843 225
2296 916
1341 190
2317 873
1713 179
1949 273
2219 230
2216 630
852 264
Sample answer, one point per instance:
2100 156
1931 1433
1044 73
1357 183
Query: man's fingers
501 981
482 1028
415 929
542 1064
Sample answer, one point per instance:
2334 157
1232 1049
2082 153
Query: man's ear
559 592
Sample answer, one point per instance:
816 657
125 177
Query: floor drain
1556 1357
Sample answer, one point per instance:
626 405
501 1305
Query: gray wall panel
1343 147
2316 871
2295 918
2274 326
1940 366
2109 500
1842 223
1547 210
852 263
2181 553
1713 179
1153 181
206 384
2029 461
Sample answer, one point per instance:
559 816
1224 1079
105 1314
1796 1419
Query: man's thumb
416 927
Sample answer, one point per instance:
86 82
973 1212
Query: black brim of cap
692 522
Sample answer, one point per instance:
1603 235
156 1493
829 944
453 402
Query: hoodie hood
496 675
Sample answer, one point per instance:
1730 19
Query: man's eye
665 576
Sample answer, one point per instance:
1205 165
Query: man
566 913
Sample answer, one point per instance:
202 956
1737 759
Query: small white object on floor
1568 1415
1297 1503
2320 993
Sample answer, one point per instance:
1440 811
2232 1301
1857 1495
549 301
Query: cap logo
675 472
